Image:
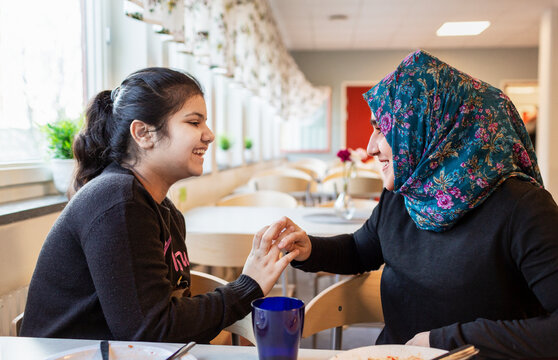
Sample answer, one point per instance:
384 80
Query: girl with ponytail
115 264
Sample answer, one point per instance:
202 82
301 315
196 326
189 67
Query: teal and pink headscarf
454 138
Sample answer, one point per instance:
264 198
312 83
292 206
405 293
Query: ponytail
92 145
151 95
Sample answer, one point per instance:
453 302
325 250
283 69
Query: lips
385 164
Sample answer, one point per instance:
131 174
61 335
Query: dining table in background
26 348
235 220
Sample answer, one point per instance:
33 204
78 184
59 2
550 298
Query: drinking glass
277 323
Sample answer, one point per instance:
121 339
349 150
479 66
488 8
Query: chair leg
337 338
235 339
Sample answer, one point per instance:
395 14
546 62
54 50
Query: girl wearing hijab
115 263
464 228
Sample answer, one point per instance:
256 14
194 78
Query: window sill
31 208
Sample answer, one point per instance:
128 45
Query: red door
358 118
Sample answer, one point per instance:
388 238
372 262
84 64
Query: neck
152 182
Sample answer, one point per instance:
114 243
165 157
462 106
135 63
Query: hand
264 263
420 339
294 238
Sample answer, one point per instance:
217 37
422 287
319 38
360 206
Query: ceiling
405 24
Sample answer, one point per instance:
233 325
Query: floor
353 336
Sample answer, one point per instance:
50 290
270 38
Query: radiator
11 305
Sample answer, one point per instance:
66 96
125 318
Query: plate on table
117 351
389 352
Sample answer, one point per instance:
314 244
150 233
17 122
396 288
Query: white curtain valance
238 38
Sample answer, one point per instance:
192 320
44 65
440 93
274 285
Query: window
41 72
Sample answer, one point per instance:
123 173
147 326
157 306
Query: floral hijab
454 139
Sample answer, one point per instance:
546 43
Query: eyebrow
194 114
373 122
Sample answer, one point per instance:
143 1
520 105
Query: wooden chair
319 166
350 301
359 186
259 198
299 187
15 326
202 283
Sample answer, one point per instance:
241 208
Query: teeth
199 152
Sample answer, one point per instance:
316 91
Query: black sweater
490 281
110 264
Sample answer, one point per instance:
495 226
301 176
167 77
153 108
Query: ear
142 134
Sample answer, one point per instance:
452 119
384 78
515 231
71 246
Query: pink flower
385 123
344 155
397 105
493 127
437 102
444 200
524 159
476 84
455 192
482 183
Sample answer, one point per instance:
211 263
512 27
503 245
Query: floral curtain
240 39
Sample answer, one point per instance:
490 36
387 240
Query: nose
208 136
372 148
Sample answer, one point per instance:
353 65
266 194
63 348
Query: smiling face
379 147
181 153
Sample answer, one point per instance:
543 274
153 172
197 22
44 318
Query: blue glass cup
277 323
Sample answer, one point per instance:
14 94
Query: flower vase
344 206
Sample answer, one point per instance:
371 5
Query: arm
533 244
341 254
127 264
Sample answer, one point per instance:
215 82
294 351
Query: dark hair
151 95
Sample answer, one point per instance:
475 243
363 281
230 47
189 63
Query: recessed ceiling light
338 17
462 28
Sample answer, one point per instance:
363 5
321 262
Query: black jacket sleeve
348 253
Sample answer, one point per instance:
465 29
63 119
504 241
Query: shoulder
115 186
516 192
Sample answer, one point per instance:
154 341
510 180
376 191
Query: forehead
194 104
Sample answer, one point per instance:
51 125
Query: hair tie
114 93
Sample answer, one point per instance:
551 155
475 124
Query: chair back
283 183
259 198
350 301
15 326
214 249
365 187
283 170
203 283
359 186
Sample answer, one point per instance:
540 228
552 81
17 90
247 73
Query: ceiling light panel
462 28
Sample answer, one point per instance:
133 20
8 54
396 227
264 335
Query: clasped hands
265 263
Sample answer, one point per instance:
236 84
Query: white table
23 348
249 219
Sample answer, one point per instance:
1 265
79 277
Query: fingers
258 238
291 238
287 258
272 233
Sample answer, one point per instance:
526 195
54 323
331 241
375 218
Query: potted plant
60 137
248 150
224 155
